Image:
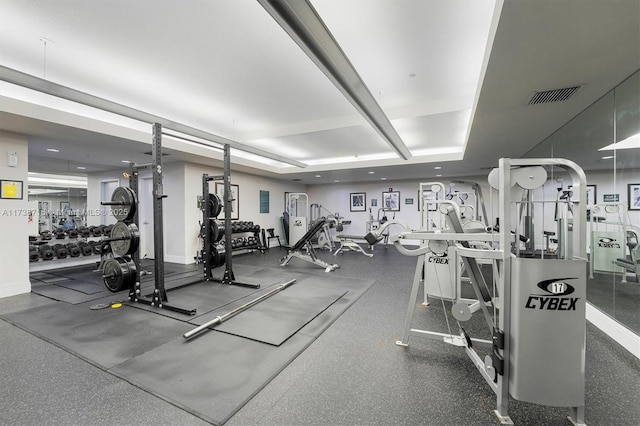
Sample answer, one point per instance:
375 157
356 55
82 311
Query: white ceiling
228 68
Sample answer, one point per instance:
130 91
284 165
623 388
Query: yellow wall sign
11 189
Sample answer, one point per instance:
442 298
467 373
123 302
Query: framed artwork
264 201
65 207
11 189
391 201
374 202
358 201
235 200
591 195
634 196
408 200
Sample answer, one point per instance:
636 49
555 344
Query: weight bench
348 243
310 255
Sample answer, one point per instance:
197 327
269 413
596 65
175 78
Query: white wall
14 244
249 201
336 198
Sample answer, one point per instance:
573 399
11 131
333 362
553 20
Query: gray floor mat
105 337
81 286
213 375
277 318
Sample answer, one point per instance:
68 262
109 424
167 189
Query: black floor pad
212 375
277 318
81 286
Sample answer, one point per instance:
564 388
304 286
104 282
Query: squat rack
159 298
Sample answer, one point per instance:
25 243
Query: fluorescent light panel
629 143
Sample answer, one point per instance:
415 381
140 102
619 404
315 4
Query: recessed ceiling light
318 175
53 150
81 168
337 180
126 161
438 175
437 168
608 157
383 178
372 173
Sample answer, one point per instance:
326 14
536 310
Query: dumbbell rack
246 228
61 251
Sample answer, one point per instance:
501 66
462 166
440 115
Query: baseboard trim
614 329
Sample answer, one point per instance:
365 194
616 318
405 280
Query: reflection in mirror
604 140
56 201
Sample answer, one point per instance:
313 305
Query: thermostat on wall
12 159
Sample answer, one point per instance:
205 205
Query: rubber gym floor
335 364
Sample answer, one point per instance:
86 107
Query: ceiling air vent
555 95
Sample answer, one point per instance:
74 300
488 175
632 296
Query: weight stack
548 326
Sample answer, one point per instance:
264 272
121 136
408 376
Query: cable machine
535 310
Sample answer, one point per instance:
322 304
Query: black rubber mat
105 337
47 277
277 318
212 375
81 286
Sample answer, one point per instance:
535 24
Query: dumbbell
95 231
107 230
85 248
46 252
73 233
33 238
46 235
34 255
74 250
84 232
61 251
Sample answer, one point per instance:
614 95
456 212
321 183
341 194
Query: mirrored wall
56 201
605 141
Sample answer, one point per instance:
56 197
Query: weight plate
216 256
99 306
118 273
128 238
127 202
215 205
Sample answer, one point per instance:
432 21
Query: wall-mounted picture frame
633 196
358 201
591 195
11 189
65 207
391 201
374 202
264 201
235 203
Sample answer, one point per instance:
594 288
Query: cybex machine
534 307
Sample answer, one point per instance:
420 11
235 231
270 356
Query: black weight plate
118 274
128 241
215 205
127 202
216 257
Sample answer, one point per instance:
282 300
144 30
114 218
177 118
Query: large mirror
610 127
